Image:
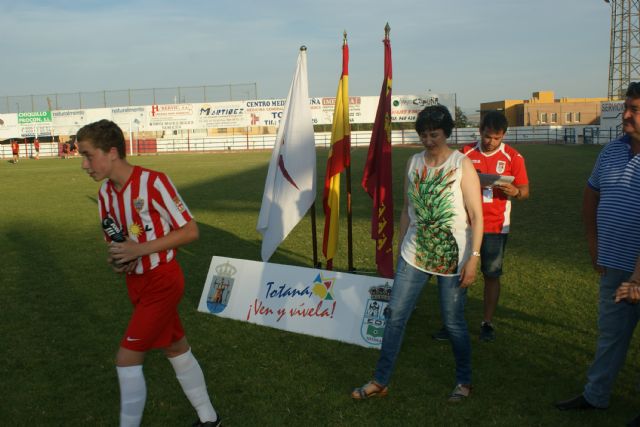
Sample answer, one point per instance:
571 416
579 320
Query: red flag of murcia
377 173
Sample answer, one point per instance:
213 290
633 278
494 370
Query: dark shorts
492 253
155 296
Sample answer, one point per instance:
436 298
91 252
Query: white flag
290 188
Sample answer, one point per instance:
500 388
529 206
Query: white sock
191 379
133 394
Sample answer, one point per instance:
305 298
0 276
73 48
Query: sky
481 50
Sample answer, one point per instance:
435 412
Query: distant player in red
492 156
15 150
65 150
36 149
155 221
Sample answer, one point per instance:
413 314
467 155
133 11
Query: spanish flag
377 172
339 159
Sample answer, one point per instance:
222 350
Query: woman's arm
470 185
404 216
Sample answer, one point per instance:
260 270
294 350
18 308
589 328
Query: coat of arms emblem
373 320
220 288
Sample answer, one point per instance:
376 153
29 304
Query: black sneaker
441 335
216 423
487 333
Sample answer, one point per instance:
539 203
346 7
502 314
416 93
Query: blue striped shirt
616 176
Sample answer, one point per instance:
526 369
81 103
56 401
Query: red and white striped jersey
146 208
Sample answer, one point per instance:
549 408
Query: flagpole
314 233
349 216
314 236
349 222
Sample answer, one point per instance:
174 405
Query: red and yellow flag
339 159
377 172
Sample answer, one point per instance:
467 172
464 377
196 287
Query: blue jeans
616 323
407 286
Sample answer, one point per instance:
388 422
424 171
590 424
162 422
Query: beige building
544 110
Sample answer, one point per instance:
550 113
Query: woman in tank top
440 235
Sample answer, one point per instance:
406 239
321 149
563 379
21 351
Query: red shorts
155 296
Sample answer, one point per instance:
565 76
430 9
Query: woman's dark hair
435 117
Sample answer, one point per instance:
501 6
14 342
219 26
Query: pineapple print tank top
438 240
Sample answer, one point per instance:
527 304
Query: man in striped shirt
155 221
611 212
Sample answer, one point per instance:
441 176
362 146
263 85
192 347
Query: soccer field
62 310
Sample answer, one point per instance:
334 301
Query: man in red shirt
491 156
36 149
156 221
65 151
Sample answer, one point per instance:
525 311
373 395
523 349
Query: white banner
328 304
230 114
611 114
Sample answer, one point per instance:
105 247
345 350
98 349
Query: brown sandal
370 389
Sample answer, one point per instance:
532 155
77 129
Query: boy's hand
123 252
122 267
122 256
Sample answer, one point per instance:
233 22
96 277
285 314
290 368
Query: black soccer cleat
112 229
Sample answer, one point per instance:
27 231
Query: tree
461 118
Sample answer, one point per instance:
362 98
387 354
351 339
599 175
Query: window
577 117
554 117
543 117
568 117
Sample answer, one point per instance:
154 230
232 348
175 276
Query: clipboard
489 180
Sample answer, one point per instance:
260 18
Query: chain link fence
128 97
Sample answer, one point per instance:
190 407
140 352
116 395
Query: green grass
62 311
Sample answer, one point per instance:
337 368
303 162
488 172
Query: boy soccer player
155 221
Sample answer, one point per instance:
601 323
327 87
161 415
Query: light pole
137 122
